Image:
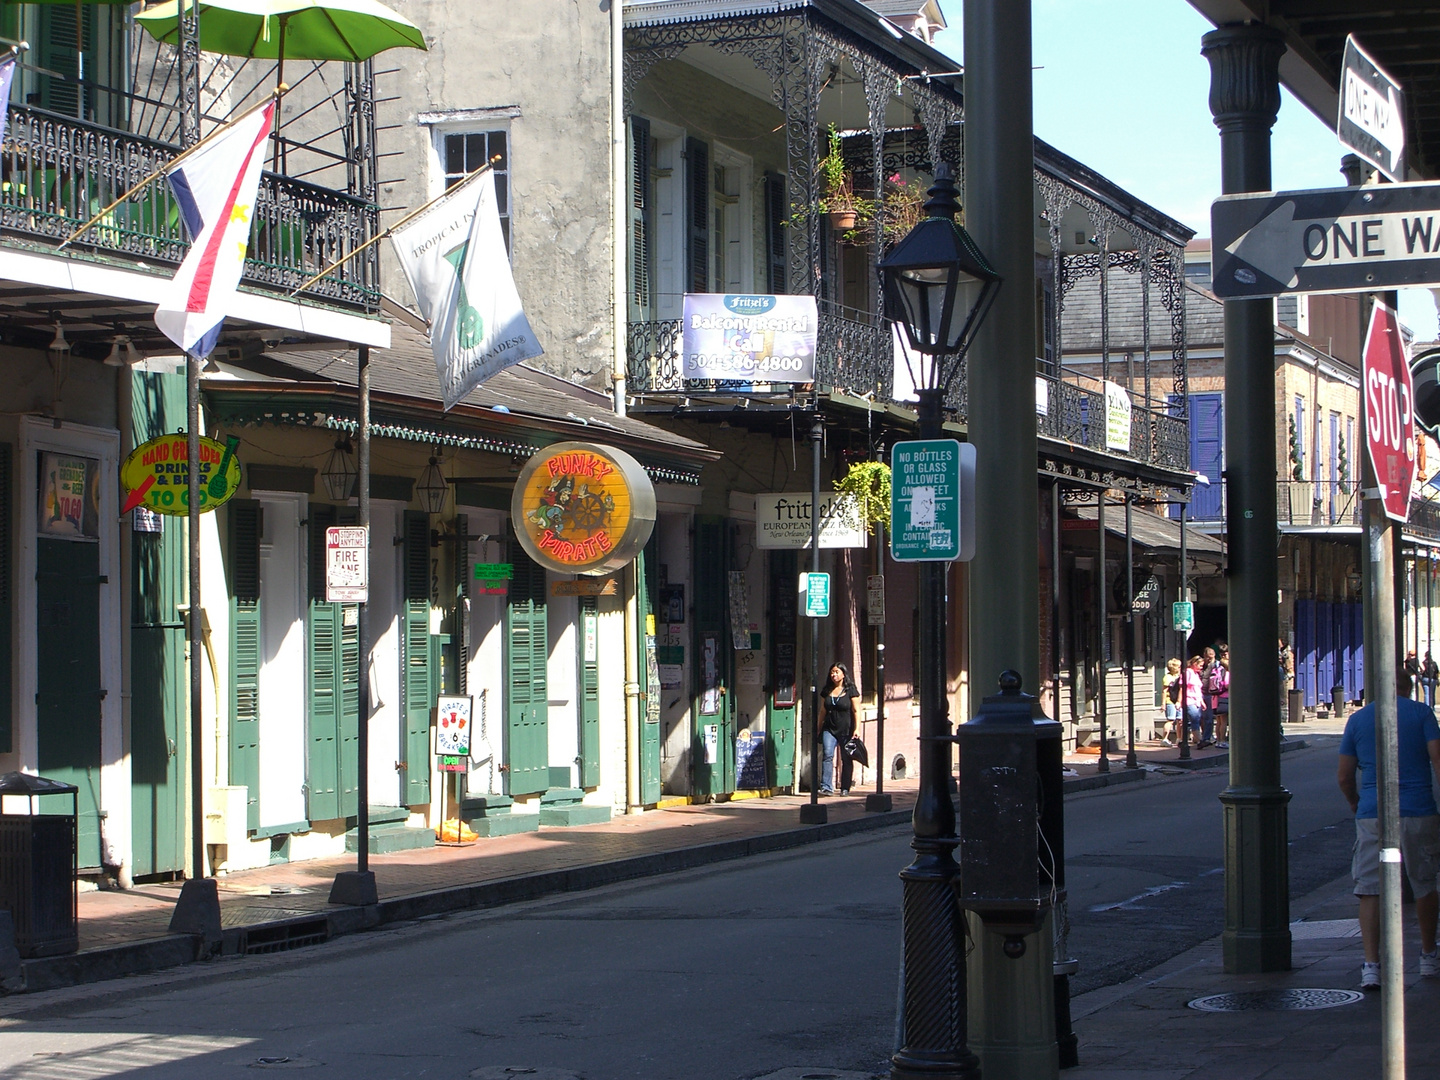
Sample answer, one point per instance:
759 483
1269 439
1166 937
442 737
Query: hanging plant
838 201
1297 471
868 483
1342 466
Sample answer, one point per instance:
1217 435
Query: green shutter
244 528
640 219
647 574
416 674
349 741
777 213
697 215
322 713
712 626
589 680
527 652
7 601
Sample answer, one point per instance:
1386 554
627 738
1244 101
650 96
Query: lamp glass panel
338 474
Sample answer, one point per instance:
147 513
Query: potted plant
838 200
904 206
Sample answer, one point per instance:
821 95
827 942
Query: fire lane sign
1389 411
347 564
1364 239
1372 113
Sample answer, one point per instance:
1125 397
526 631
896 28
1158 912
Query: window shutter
589 692
416 676
244 541
527 654
777 208
697 215
348 744
640 267
323 692
7 600
1207 436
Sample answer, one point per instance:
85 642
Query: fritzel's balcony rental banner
746 337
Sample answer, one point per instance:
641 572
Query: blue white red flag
215 188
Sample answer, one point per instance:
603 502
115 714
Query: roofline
1076 173
486 422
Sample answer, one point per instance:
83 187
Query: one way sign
1331 240
1372 113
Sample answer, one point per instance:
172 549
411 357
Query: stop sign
1389 411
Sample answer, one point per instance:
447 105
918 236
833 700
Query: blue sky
1121 86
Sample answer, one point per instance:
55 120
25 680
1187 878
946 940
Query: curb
1286 745
1121 775
173 950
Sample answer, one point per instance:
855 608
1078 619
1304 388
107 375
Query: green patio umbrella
352 30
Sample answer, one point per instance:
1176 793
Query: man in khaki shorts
1419 737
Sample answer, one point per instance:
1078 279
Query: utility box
1009 804
37 864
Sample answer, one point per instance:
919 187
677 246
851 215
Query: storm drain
282 937
523 1072
1276 1001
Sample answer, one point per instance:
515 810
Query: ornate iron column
189 72
1245 98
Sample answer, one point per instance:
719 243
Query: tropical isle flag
455 258
215 187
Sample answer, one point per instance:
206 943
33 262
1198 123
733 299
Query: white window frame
473 122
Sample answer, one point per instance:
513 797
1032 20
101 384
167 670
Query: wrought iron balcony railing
1317 502
854 355
56 172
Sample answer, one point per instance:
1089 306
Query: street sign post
1372 113
347 567
1353 239
1389 411
932 496
875 599
816 588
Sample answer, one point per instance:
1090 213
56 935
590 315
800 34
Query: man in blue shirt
1419 741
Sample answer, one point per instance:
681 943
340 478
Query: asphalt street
740 970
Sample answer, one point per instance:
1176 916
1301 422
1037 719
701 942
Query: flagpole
399 224
279 92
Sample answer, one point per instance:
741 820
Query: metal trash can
1337 701
1297 706
37 866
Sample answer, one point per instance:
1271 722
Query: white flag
454 256
215 188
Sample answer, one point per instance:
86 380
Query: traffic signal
1425 371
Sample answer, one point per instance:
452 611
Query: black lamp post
938 287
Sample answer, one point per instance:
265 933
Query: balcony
852 356
57 171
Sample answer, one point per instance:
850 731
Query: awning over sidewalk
1154 533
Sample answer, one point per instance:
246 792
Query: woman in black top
839 702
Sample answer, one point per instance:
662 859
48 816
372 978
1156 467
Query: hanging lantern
431 488
339 472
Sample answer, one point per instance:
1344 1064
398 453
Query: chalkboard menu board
750 771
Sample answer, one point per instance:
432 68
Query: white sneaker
1430 965
1369 976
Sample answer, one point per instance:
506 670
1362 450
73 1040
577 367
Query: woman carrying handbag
838 699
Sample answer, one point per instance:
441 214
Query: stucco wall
542 71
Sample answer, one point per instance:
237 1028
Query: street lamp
938 287
431 488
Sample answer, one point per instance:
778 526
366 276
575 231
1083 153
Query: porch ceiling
1402 35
